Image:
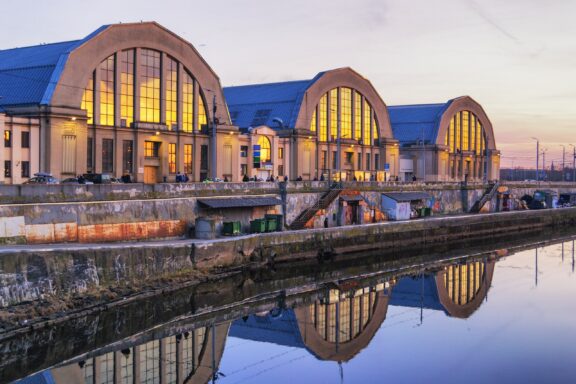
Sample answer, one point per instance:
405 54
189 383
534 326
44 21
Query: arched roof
412 123
28 74
296 329
343 351
56 74
293 102
464 311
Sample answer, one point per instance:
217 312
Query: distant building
452 141
334 125
128 99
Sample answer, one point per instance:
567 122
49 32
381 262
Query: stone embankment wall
43 273
387 237
140 212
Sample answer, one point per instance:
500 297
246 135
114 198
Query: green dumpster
231 228
270 224
277 218
425 212
258 226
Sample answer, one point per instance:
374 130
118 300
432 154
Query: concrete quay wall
134 219
60 273
385 237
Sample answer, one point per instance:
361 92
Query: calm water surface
505 317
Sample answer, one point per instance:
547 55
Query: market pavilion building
136 99
334 126
452 141
129 99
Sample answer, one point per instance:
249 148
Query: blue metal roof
415 293
260 104
28 75
282 331
412 123
23 86
44 377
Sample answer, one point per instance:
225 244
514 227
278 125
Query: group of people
182 178
271 179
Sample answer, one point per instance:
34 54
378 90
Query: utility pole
423 158
544 162
537 158
563 159
213 166
573 162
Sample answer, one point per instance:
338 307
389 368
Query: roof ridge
417 105
40 45
30 67
264 84
263 102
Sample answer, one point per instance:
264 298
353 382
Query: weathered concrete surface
30 193
29 276
322 243
152 218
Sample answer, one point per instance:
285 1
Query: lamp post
573 162
544 150
214 134
423 158
537 157
563 160
213 144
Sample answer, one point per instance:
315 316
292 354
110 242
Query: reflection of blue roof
416 292
39 378
259 104
411 123
282 330
29 75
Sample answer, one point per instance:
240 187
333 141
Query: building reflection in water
457 289
335 325
189 357
342 322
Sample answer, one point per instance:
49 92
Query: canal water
500 314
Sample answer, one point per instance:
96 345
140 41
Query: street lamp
573 162
214 145
537 157
563 159
544 150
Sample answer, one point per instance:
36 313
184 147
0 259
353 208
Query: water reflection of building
191 356
335 327
458 289
342 322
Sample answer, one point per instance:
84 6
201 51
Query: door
150 175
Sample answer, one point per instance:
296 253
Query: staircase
323 203
488 195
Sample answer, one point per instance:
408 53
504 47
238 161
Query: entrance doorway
351 213
150 175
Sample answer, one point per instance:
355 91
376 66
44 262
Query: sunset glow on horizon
516 58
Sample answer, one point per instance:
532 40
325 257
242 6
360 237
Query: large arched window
465 134
265 149
463 281
154 69
348 109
